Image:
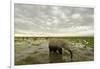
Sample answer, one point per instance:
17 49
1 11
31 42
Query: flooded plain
35 50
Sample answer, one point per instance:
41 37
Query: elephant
58 45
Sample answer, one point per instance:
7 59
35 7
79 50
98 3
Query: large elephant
58 45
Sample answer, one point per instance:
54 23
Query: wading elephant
58 45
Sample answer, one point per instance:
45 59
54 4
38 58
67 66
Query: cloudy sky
46 20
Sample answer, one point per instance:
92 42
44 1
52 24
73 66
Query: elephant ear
66 45
61 42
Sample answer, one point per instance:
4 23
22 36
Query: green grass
38 54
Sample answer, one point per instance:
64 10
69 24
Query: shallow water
37 52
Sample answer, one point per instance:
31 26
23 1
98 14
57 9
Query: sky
52 20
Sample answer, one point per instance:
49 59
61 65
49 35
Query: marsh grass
34 50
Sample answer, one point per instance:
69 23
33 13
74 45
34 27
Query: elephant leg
55 50
50 49
60 50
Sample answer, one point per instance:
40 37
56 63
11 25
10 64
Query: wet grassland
35 50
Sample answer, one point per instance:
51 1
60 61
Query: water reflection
55 58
